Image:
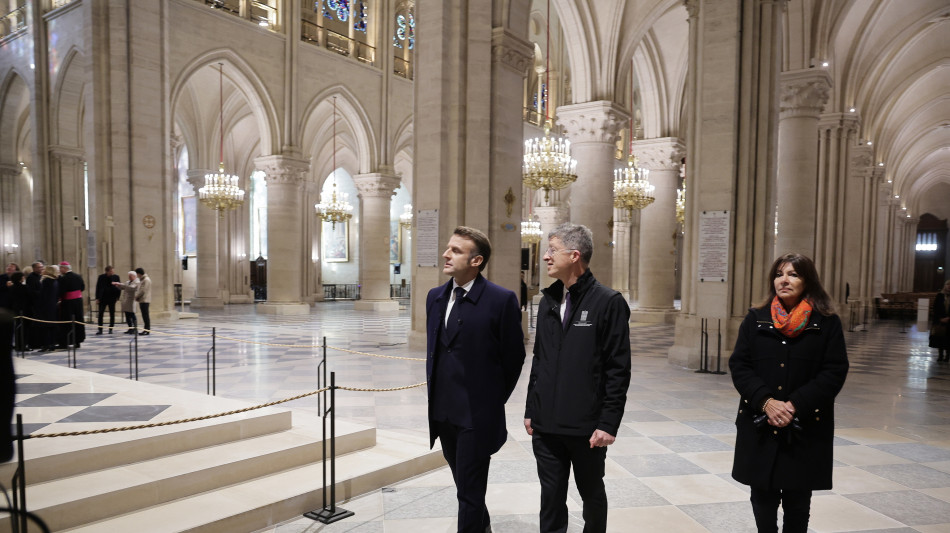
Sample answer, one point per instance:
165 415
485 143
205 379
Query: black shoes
100 332
144 333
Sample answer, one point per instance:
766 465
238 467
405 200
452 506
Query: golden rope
377 355
218 415
94 325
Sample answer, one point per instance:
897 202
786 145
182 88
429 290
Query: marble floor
668 471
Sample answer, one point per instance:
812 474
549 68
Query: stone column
207 294
803 96
592 128
838 202
375 192
621 259
287 257
549 217
658 230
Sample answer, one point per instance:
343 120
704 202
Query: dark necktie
451 326
567 310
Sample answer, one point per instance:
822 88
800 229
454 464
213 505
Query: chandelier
405 219
221 191
334 207
632 189
530 232
681 206
548 164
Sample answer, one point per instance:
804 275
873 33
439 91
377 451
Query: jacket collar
763 315
473 295
556 290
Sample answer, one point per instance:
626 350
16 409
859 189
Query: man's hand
527 426
601 439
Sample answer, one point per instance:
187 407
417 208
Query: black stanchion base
327 516
702 371
717 372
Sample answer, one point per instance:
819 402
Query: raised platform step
98 495
271 499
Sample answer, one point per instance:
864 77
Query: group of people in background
50 297
132 295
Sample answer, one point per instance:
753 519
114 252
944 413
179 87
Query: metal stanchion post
719 370
703 348
330 512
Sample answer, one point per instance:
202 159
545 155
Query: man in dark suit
106 296
474 357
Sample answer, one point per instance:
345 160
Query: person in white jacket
143 295
128 300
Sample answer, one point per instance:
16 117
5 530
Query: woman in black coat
789 364
942 317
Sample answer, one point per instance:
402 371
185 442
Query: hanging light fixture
221 191
334 207
632 189
405 219
681 207
530 232
548 164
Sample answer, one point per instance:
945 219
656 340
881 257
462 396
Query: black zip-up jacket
580 375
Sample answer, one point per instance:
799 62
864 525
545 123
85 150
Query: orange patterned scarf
790 324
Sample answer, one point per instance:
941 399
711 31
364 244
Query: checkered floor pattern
668 471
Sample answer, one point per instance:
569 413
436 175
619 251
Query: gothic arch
14 102
66 105
247 82
354 130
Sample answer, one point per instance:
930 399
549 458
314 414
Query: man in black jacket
106 296
71 286
34 330
579 379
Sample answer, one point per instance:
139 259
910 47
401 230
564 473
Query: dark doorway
259 279
930 255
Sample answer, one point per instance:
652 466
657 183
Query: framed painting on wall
336 242
395 242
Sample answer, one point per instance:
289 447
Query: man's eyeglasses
552 251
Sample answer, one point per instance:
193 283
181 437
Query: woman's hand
780 413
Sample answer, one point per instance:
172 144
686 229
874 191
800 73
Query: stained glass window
336 9
360 17
405 31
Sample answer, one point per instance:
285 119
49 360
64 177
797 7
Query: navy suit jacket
490 344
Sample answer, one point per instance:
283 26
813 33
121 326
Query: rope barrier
95 325
217 415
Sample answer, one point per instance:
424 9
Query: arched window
258 215
404 40
341 26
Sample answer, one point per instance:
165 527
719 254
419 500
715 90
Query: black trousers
555 454
147 322
796 505
102 310
130 319
471 476
72 310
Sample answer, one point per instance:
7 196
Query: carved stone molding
511 51
281 169
665 153
598 122
804 92
67 154
862 161
13 170
551 215
376 184
692 8
845 122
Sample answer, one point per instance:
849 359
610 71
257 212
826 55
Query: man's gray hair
575 237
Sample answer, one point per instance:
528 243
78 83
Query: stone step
84 498
271 499
47 460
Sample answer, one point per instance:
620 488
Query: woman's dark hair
814 292
16 277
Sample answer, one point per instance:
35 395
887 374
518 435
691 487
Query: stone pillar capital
67 154
7 169
592 122
511 51
376 184
846 122
862 162
196 177
664 153
282 169
692 8
804 92
551 215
